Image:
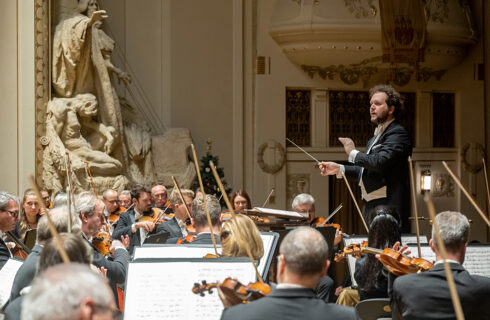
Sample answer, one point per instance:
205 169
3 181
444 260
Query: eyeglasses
14 214
113 201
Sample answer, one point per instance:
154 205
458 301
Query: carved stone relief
297 183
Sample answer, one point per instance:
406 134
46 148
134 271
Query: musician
426 295
200 222
112 206
383 169
370 275
177 226
302 262
159 197
125 199
90 212
68 291
46 199
304 203
240 201
76 249
232 244
9 213
26 272
29 215
60 199
129 223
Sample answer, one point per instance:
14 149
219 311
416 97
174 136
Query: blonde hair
232 244
23 224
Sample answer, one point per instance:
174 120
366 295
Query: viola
187 239
235 291
394 261
157 216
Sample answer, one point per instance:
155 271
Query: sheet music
477 260
267 241
7 275
425 250
158 289
173 251
412 238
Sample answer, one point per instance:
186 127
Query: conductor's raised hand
348 144
329 168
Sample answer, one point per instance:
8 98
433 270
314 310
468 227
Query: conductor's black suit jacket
386 164
426 295
300 303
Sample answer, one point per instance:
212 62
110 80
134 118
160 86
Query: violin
235 291
102 242
394 261
187 239
156 216
114 217
20 250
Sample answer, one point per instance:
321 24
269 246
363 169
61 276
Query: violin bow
230 208
69 191
442 250
91 178
486 181
355 202
466 193
268 197
415 210
51 226
181 196
204 198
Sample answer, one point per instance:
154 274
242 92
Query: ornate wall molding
41 76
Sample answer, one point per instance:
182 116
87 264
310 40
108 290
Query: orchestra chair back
374 309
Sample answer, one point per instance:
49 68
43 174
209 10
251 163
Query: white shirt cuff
133 228
352 155
341 171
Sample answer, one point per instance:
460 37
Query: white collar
288 286
447 260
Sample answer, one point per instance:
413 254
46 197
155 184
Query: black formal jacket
123 228
205 238
297 303
387 165
171 226
26 272
4 253
426 295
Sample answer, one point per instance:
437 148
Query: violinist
240 201
113 209
129 222
159 198
125 199
29 215
177 226
231 245
414 294
302 262
370 275
26 272
46 199
200 222
90 211
9 213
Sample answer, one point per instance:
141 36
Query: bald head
111 201
159 195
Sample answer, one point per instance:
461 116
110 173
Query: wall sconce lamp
425 181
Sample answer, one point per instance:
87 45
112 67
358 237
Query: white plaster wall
17 91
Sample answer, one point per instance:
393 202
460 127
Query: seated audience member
125 199
302 262
66 292
77 251
370 274
130 223
159 198
26 272
177 226
9 213
234 232
240 201
426 295
200 221
29 215
90 211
